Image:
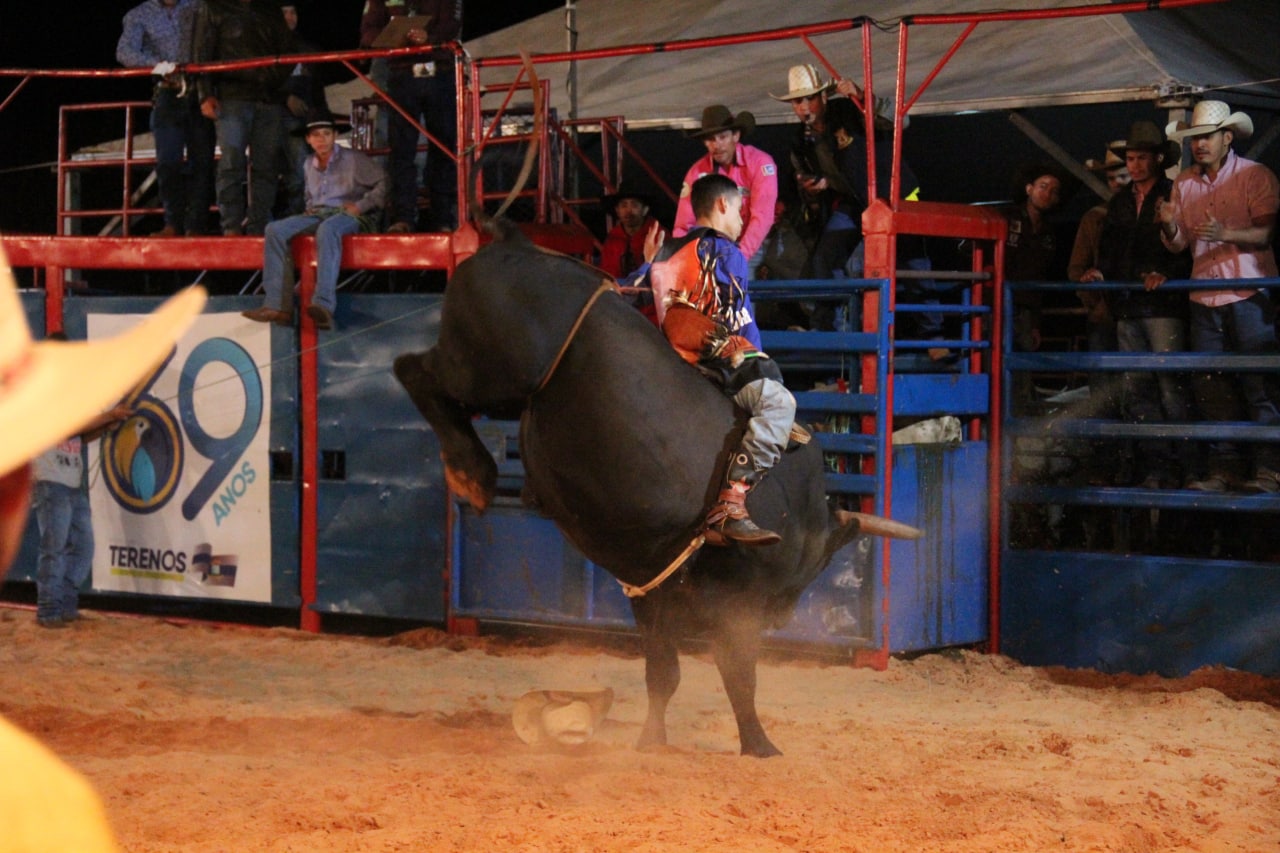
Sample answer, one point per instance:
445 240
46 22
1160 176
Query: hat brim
1238 123
65 384
744 122
526 716
803 93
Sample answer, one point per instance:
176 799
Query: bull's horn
874 525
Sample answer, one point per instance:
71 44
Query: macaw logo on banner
143 460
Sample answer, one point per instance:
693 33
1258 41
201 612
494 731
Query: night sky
84 35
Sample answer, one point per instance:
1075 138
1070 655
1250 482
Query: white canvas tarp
1002 65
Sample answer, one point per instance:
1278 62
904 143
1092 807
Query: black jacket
232 29
1130 247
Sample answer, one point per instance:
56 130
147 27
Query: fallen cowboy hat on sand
1210 116
565 717
49 390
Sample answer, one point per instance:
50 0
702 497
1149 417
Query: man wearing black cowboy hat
345 192
750 168
1147 320
623 248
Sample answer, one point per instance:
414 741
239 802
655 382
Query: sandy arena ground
205 738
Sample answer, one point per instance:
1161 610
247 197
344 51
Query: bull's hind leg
736 645
469 469
661 671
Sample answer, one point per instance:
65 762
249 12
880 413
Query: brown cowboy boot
729 517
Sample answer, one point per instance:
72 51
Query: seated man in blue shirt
699 285
345 189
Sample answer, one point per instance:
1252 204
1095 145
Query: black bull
623 447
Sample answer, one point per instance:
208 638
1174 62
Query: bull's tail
496 225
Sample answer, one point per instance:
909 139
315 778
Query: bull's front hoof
764 749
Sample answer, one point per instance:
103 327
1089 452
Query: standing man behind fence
750 168
157 35
1224 208
244 104
423 85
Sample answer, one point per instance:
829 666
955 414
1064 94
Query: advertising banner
180 490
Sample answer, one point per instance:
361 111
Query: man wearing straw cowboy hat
830 161
49 391
750 168
1224 208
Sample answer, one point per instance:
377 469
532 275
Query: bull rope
698 541
577 324
638 591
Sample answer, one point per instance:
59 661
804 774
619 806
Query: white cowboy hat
802 82
1207 117
564 717
49 390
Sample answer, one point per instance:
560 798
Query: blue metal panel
938 584
929 394
518 566
1120 614
381 532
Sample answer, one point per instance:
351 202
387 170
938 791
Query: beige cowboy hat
563 717
49 390
1207 117
1110 161
718 117
1145 136
803 81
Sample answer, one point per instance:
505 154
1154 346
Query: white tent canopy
1002 65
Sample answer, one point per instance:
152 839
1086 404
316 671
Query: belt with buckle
424 69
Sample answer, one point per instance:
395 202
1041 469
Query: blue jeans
1157 397
66 548
433 99
277 260
248 125
184 160
1248 327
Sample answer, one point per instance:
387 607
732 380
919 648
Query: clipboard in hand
396 33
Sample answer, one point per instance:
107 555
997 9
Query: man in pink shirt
750 168
1224 208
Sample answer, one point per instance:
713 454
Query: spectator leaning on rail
750 168
157 35
423 85
50 391
1148 320
345 192
1030 248
1224 208
244 105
